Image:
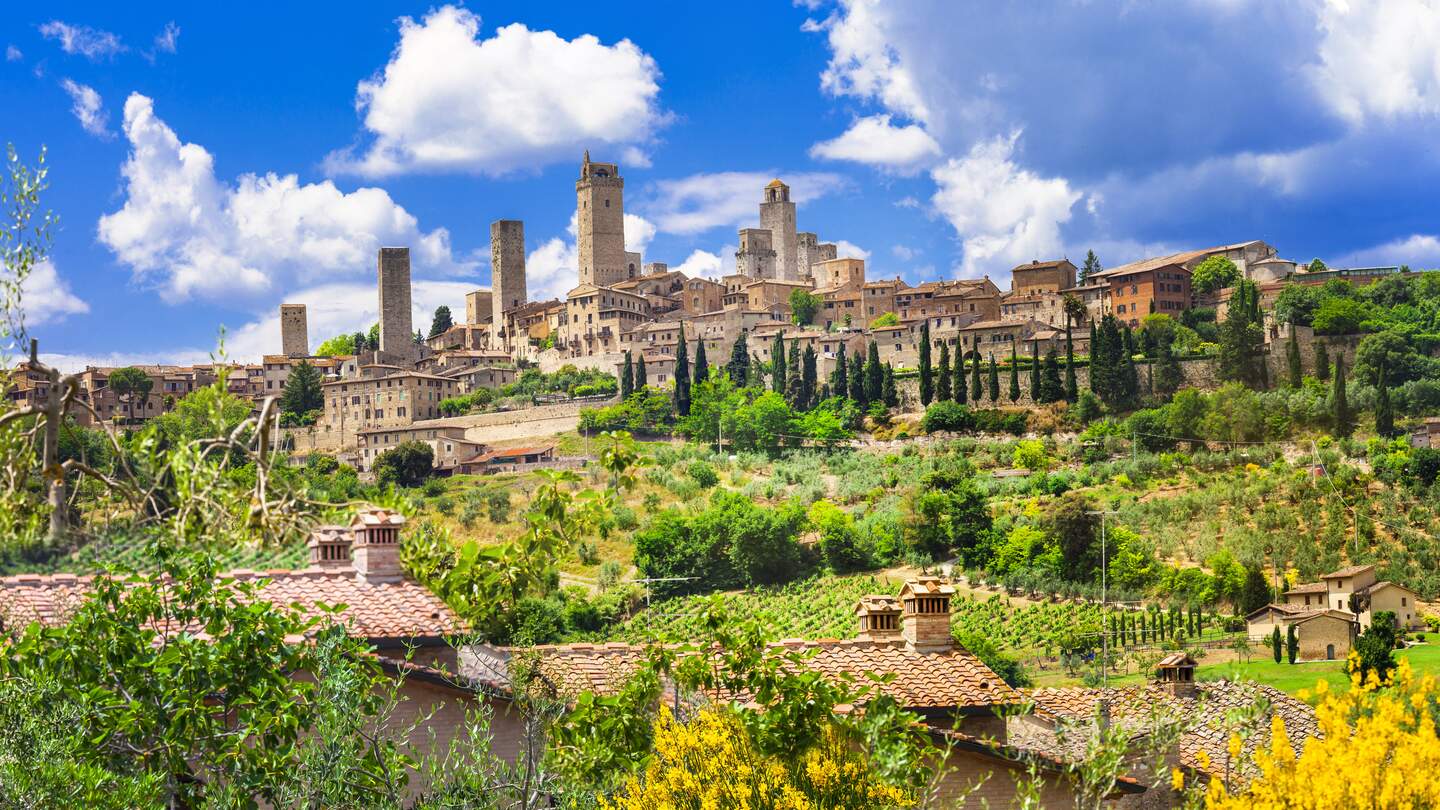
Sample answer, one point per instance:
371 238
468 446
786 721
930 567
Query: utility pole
1104 598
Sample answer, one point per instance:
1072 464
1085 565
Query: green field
1294 677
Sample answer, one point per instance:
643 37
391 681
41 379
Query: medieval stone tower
600 211
777 215
507 273
756 256
397 335
294 334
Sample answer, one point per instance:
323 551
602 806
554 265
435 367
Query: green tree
442 321
927 374
641 378
943 391
1343 421
1375 648
1292 644
1242 338
407 464
627 377
1051 387
1089 268
1292 361
808 379
1035 371
840 375
702 366
803 306
303 393
1074 314
1076 529
1384 411
132 386
885 319
888 393
994 380
947 513
1322 361
1014 373
1277 645
682 375
338 346
795 379
874 375
739 366
976 392
857 380
1213 274
1255 593
1316 266
778 377
1167 376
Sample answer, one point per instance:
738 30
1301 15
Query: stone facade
381 401
756 257
777 215
294 335
600 217
397 335
479 306
507 275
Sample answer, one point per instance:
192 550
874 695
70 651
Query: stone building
294 336
508 289
1037 276
839 274
479 307
598 318
777 215
810 251
756 257
447 441
387 399
879 297
397 334
600 225
1150 286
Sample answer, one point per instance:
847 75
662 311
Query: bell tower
600 223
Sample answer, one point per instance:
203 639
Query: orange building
1160 285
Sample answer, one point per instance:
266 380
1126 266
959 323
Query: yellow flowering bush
1379 750
710 763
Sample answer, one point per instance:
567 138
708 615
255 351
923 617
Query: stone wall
397 335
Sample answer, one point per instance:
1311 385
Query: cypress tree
943 391
641 380
874 375
1035 372
1292 359
627 377
808 379
957 377
1339 404
1275 645
778 377
1384 411
1051 388
1167 374
857 381
839 378
927 383
682 375
994 380
1131 380
1014 374
1144 629
702 366
1072 391
794 378
1094 346
1292 644
739 366
975 391
1322 362
888 393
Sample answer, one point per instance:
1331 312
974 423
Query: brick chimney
879 618
330 547
925 623
376 549
1176 674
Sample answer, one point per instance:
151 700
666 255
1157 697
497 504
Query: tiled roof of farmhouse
1205 714
373 610
1347 571
951 679
1309 587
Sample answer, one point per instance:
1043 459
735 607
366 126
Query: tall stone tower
397 334
294 334
600 210
756 256
777 215
507 275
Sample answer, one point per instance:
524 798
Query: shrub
703 474
407 464
497 502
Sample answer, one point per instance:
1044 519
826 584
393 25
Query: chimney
1176 674
925 623
376 549
879 618
330 548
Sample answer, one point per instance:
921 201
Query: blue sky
207 166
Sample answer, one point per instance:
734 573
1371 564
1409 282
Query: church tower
600 214
777 215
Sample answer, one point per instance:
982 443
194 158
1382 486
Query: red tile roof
393 610
1347 571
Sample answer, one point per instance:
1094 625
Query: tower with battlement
294 334
397 334
777 215
756 255
600 215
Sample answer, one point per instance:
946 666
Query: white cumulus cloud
848 250
1420 251
88 108
47 298
1004 214
875 141
191 235
702 263
1379 59
13 54
518 100
699 202
91 43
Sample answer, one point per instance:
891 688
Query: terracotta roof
510 452
396 610
1206 715
952 679
1347 571
1146 265
1309 587
1037 265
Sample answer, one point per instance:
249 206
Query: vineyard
129 554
